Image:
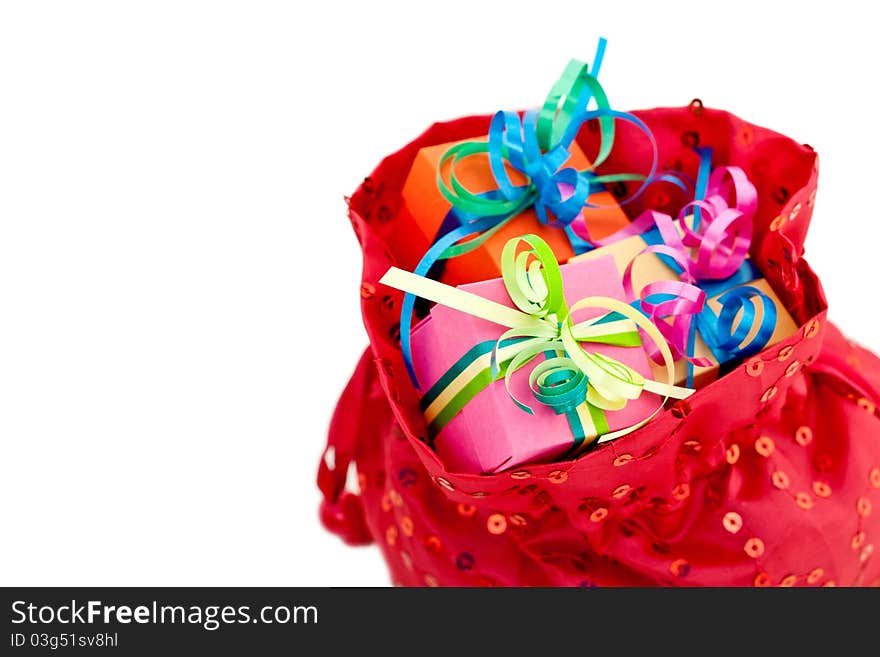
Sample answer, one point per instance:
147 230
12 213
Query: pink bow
713 249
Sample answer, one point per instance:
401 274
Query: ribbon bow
572 380
711 252
721 232
537 146
716 242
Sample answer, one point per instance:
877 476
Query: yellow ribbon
534 283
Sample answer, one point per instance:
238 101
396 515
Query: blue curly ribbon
724 335
448 245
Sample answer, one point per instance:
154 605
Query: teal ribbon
536 145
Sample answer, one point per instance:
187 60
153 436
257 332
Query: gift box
651 267
435 216
488 432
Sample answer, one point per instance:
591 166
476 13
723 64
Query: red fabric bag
769 476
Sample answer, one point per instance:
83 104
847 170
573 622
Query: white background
179 282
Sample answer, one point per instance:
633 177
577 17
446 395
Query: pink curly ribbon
712 247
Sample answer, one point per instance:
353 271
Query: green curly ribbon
573 381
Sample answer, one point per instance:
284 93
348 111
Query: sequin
866 405
680 568
754 547
383 214
623 459
681 491
732 454
762 579
542 498
788 581
795 211
444 483
777 222
406 559
516 520
779 479
858 540
621 491
558 477
732 522
406 526
520 474
466 510
391 535
803 436
874 477
821 489
764 446
496 524
431 581
863 506
434 544
812 328
396 499
692 446
866 552
769 394
785 353
830 583
804 501
367 290
464 561
407 477
690 138
754 367
815 575
792 369
386 502
599 514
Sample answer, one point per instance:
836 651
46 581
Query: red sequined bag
765 477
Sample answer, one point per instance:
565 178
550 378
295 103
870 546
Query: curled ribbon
714 246
717 242
571 379
724 334
537 146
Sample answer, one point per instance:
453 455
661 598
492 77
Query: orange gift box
429 210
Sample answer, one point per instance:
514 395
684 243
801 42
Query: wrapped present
570 368
528 174
435 215
735 312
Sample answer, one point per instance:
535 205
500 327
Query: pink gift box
491 433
